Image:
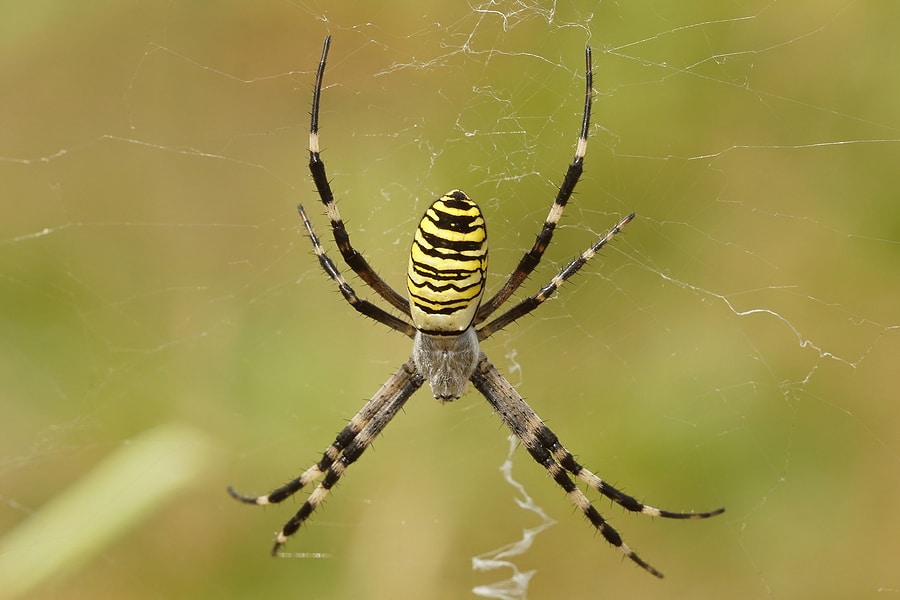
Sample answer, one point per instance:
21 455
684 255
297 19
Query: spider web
166 330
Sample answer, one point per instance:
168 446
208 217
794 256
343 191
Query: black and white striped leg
343 439
549 440
531 258
532 302
373 311
543 445
352 257
349 445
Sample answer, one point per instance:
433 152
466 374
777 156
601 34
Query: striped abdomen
447 265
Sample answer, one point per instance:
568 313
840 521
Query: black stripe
457 296
437 241
449 310
430 272
457 200
438 252
463 223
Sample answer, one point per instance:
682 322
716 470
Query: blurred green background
735 346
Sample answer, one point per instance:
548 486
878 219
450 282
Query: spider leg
373 311
350 443
549 440
332 453
532 302
531 258
546 450
352 257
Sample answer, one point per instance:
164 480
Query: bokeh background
738 345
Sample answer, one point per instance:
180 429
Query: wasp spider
445 317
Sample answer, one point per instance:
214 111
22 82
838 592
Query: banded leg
373 311
344 451
543 445
352 257
343 439
531 258
532 302
549 440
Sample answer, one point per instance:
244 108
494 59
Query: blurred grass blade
117 495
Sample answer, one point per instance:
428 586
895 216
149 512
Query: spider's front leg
351 255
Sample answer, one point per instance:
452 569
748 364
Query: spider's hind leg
347 447
549 441
546 449
530 429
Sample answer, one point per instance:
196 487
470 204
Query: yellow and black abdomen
447 265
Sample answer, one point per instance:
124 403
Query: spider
445 317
